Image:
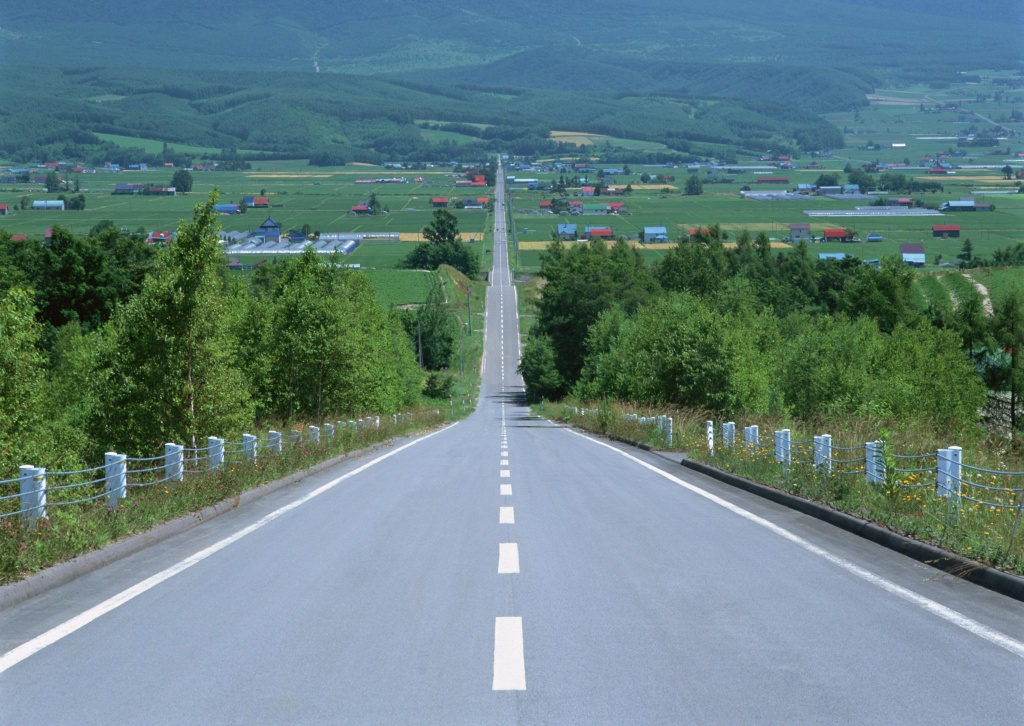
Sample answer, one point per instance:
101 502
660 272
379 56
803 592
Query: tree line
744 330
112 344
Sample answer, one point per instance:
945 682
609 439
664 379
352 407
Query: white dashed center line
509 662
506 515
506 490
508 558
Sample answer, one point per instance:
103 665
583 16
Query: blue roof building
655 234
567 231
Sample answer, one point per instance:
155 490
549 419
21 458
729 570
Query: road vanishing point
507 570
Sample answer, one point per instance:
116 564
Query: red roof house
600 232
439 202
3 209
545 204
945 230
361 209
837 235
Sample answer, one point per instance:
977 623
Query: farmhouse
595 208
227 208
587 191
838 235
800 231
271 230
545 204
3 210
913 254
945 230
161 191
599 233
773 180
965 205
49 205
567 231
655 234
439 202
129 188
361 210
617 207
472 203
873 237
155 238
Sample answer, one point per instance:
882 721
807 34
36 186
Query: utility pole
469 307
419 341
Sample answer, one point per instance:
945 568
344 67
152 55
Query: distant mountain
393 36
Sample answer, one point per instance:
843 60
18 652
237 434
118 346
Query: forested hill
814 88
388 36
49 113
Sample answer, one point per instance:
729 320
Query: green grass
153 146
401 287
960 287
935 293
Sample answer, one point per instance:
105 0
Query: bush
439 385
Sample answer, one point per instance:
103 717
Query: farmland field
401 287
299 195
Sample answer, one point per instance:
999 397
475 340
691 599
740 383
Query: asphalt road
506 570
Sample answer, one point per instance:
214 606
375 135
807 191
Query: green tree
168 363
444 247
1008 330
539 370
434 330
1007 172
966 251
21 383
182 181
52 182
827 180
694 186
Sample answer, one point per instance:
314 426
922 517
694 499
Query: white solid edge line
948 614
31 647
508 558
509 662
506 515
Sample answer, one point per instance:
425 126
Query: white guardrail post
314 434
116 471
710 432
329 428
274 442
949 470
249 445
823 453
874 465
33 492
174 462
215 452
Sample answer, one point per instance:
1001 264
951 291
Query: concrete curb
63 573
988 577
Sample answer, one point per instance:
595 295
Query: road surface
503 571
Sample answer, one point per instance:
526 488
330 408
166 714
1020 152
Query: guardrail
944 473
39 490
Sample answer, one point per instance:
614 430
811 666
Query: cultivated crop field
299 194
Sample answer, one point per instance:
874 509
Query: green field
155 147
299 194
401 287
721 203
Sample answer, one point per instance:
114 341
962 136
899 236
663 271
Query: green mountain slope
403 35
